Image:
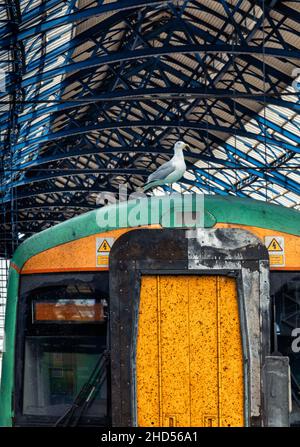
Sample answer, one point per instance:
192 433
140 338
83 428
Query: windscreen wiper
86 394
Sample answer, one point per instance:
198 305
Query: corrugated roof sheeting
107 87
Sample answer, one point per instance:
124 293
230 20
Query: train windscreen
63 374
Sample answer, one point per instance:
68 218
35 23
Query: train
156 312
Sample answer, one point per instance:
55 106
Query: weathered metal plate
189 352
231 253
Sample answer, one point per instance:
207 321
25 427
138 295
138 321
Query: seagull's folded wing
162 172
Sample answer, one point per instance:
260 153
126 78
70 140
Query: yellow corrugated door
189 352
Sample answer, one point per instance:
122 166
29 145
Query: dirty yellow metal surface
78 255
189 352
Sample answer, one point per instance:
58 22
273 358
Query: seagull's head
180 146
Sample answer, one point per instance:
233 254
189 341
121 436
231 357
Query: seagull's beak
186 147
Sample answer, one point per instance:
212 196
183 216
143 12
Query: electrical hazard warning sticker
103 247
275 246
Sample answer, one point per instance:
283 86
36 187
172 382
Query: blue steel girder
157 124
276 177
65 152
257 169
210 39
226 186
263 123
269 72
63 172
52 174
152 94
41 160
275 180
240 29
57 205
82 14
78 153
258 118
52 189
30 14
207 187
144 53
266 124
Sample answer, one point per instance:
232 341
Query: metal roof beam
226 186
57 204
55 173
126 56
156 124
39 10
80 15
30 192
276 177
159 94
260 119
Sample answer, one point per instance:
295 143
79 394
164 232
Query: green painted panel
216 208
7 377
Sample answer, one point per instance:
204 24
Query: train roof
217 209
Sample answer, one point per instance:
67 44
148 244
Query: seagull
171 171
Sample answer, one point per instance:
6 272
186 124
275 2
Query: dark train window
63 340
84 310
285 292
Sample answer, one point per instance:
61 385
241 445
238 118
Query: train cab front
155 326
62 372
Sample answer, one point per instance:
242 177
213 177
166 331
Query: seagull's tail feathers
147 186
150 185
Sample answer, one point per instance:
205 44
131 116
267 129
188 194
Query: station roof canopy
94 94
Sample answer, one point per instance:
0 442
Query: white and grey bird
171 171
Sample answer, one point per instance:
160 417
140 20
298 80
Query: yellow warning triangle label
104 246
274 245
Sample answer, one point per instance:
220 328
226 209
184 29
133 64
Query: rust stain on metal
189 352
